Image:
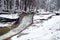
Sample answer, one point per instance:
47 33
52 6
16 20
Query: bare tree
27 4
51 5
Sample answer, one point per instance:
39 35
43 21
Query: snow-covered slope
6 24
46 30
10 16
27 20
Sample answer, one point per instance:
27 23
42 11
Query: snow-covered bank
27 20
10 16
6 24
48 30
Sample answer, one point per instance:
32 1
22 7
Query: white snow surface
23 24
46 30
7 24
10 16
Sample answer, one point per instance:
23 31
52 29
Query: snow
11 16
42 11
6 24
23 24
57 11
40 16
46 30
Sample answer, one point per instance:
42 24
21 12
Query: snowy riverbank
47 30
27 20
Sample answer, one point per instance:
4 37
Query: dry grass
4 30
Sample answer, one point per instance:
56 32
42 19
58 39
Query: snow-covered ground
26 20
6 24
41 30
10 16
